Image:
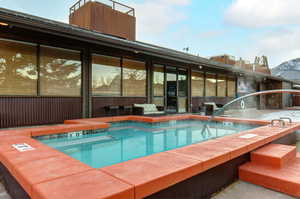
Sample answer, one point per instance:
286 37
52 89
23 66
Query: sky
242 28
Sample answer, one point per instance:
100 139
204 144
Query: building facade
51 72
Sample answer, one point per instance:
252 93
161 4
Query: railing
113 4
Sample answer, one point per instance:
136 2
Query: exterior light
3 24
200 67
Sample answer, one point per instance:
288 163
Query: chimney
112 18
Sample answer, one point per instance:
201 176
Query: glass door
171 93
170 88
182 90
158 85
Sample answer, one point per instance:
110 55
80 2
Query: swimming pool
130 140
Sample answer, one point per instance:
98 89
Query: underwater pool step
274 166
69 143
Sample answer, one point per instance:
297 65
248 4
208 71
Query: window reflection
106 78
231 87
182 104
60 72
158 101
210 87
182 83
134 78
221 86
18 70
197 84
158 80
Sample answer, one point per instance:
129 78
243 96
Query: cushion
213 104
154 112
147 107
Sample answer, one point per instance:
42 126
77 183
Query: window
221 86
60 72
182 83
231 87
210 87
182 104
134 78
197 84
158 80
158 101
158 84
18 68
106 76
182 90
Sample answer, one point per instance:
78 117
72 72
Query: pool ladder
281 121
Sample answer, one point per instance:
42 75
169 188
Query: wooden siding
24 111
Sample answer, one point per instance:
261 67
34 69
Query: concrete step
285 180
274 166
274 155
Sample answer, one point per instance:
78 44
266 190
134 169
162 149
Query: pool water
129 140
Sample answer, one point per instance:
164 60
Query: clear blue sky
243 28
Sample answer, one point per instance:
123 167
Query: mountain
289 70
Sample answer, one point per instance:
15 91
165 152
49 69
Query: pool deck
46 173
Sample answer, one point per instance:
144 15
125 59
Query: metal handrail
286 118
281 122
80 3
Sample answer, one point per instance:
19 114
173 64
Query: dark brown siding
98 103
296 100
22 111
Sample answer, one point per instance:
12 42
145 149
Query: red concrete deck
46 173
276 167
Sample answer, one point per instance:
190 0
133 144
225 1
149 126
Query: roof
40 24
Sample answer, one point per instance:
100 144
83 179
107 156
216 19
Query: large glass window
231 87
221 86
134 78
182 83
158 81
18 70
106 76
60 72
210 87
197 84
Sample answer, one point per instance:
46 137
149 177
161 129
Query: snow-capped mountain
289 70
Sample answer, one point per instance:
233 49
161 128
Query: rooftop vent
108 17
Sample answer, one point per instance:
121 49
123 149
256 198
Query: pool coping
47 173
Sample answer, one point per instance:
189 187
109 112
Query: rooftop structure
260 64
110 17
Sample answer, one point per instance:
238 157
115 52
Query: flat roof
48 26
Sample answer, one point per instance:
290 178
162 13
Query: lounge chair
147 109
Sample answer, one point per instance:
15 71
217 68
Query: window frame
36 65
121 73
39 67
203 81
215 77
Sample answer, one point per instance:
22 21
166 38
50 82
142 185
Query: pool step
275 167
276 155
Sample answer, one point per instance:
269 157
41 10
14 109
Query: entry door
182 90
171 90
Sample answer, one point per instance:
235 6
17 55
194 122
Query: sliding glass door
170 88
171 94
